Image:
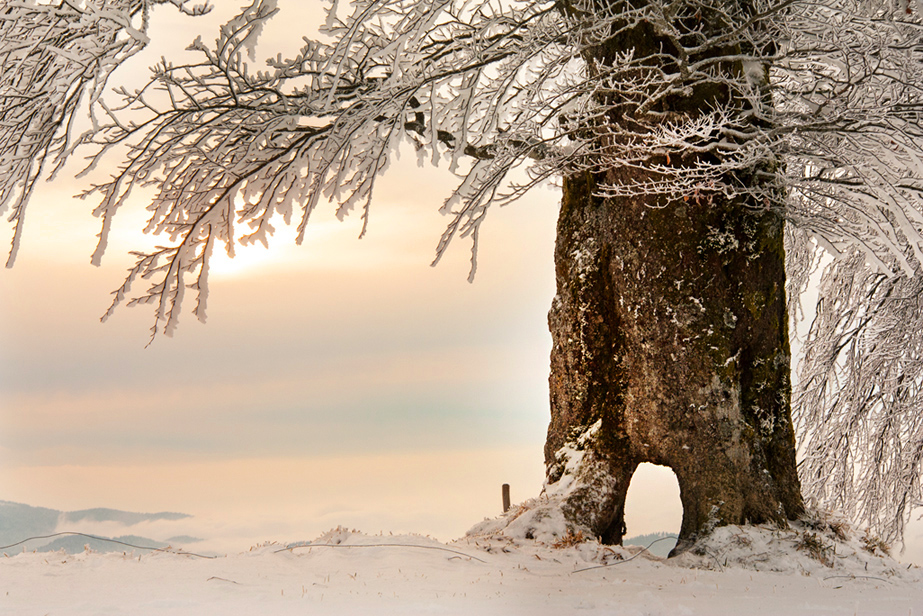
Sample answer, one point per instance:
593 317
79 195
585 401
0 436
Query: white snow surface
750 570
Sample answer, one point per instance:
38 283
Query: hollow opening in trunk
653 509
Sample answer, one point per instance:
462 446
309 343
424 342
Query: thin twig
857 577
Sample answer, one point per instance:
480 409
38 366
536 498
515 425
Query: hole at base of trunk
653 509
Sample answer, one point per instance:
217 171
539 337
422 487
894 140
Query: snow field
348 573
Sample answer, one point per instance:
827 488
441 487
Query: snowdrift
492 570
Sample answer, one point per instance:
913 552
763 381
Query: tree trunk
670 335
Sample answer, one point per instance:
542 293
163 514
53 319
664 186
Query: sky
344 381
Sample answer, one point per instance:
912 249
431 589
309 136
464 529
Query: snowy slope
345 572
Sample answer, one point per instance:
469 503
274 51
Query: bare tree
684 134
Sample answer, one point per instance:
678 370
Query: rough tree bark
671 346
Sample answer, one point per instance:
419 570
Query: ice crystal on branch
53 57
859 408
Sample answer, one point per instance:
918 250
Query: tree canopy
826 113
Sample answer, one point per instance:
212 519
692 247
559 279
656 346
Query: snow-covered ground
741 571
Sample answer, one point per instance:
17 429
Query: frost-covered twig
55 57
858 403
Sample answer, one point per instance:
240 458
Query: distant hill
19 522
182 540
78 543
664 543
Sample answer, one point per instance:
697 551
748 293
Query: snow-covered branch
54 56
859 403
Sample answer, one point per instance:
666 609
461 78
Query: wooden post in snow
506 497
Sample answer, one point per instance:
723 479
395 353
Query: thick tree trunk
671 346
